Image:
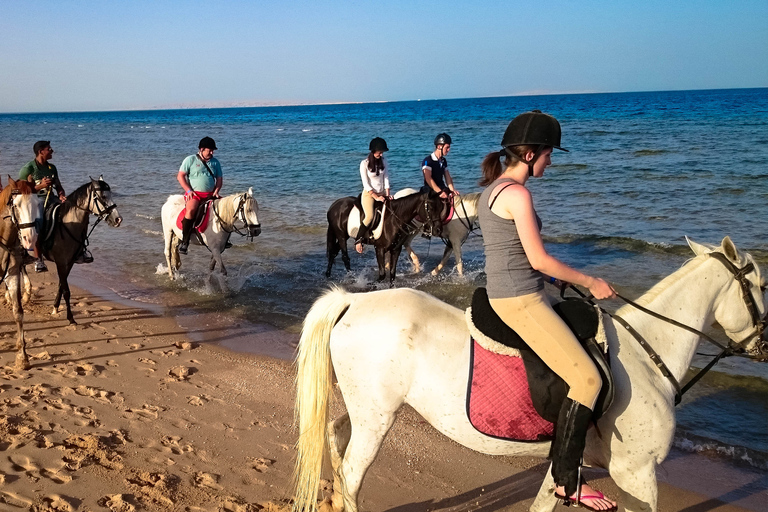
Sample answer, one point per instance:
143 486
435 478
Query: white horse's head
250 213
741 308
23 211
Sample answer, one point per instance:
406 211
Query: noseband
103 210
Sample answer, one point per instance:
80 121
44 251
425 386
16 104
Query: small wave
650 152
152 232
739 454
80 126
307 130
141 215
280 129
621 243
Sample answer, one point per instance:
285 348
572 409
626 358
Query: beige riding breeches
532 317
367 199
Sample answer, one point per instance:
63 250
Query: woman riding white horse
515 260
420 350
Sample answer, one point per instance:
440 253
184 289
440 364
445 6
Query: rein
726 351
101 214
239 210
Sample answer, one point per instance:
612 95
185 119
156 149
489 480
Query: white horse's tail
314 381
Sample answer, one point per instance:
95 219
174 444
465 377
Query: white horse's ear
101 177
250 191
697 248
729 249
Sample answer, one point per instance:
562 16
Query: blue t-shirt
437 170
199 178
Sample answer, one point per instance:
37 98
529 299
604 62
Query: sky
68 55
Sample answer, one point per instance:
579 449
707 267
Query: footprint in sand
23 464
111 362
179 373
135 346
15 500
185 345
196 400
58 503
147 412
147 361
207 480
118 503
262 464
173 443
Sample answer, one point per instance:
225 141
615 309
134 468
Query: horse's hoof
22 363
72 321
435 272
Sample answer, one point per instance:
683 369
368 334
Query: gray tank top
507 268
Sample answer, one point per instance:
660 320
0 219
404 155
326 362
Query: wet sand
135 409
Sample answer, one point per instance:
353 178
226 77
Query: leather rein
240 210
725 351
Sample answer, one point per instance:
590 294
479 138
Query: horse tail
332 246
314 382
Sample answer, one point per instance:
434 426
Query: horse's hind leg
367 435
446 254
339 433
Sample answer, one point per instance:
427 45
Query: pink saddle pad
203 222
499 401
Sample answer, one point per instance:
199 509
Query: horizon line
266 104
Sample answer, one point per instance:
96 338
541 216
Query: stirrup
85 257
40 266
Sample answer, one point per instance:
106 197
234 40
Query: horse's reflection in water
391 347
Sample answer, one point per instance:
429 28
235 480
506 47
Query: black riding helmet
533 128
378 144
442 138
207 143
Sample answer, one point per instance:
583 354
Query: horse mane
79 193
226 208
405 204
469 201
22 186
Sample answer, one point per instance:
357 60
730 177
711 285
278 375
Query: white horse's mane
227 207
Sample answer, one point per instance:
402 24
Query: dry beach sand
129 411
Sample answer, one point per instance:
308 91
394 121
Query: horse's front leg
216 258
381 260
637 483
545 500
394 255
22 360
27 286
64 291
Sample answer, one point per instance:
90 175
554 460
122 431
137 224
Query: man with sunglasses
44 177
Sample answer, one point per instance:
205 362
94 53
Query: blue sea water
644 170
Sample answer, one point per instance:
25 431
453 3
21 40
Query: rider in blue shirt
435 169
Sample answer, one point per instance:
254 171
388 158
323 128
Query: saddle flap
548 390
201 217
356 215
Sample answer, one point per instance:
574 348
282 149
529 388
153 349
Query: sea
644 171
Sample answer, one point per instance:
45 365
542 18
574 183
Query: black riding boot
186 232
568 446
362 234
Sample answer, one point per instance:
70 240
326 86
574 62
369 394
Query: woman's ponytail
491 167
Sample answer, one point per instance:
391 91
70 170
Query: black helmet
533 128
442 138
378 144
207 143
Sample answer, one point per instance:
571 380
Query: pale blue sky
104 55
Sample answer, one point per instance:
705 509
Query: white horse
455 232
419 353
225 215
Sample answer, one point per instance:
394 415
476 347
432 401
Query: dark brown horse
18 233
69 237
397 227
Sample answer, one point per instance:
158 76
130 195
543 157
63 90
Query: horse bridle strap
240 209
740 275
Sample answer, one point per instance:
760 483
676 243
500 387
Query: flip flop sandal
568 501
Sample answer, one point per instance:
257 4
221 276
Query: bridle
100 208
252 229
14 218
760 352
